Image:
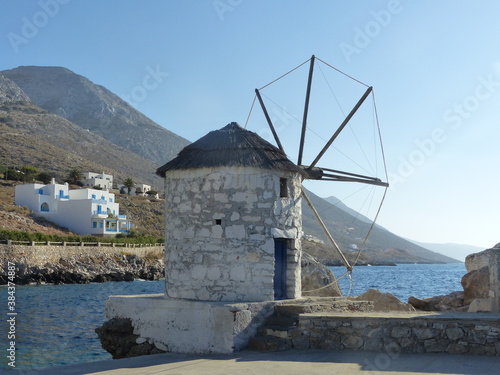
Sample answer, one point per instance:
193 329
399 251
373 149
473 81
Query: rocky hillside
96 109
29 135
349 230
10 92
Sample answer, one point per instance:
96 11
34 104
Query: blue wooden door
280 249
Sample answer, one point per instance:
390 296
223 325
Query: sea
55 323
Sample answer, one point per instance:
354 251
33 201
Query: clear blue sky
192 66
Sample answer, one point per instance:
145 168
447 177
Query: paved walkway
291 362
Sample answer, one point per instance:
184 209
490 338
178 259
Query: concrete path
291 362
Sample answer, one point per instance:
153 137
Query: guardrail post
32 243
64 243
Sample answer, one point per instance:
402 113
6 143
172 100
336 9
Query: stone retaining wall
41 255
477 334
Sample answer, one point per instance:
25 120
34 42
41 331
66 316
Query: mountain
29 135
349 230
95 108
10 92
458 251
338 203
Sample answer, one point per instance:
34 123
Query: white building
83 211
138 189
101 180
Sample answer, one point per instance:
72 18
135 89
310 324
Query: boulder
482 282
478 260
481 305
118 339
451 302
476 284
384 301
317 279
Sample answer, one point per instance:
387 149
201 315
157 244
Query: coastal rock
477 261
482 282
384 301
117 338
317 279
480 305
476 284
451 302
88 267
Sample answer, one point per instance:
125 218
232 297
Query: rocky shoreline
90 270
81 265
480 284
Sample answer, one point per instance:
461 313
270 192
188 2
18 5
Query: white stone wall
220 229
190 326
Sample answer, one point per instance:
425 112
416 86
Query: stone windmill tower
233 220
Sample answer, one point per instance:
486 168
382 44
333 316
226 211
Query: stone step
292 310
274 331
295 309
282 320
268 344
280 330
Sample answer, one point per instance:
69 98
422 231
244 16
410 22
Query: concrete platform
290 362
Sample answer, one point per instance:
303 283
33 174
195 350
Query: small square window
283 187
218 221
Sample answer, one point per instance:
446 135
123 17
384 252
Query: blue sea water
55 323
403 280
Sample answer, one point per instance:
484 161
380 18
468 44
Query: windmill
321 173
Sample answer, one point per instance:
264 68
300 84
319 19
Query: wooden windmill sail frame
321 173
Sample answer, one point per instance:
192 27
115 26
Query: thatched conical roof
231 146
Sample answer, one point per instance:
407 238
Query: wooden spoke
264 109
306 110
327 232
342 126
